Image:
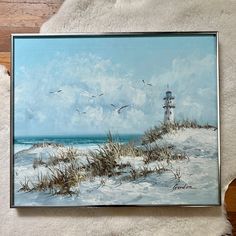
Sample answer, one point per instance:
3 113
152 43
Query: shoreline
83 142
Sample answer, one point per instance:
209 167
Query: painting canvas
115 120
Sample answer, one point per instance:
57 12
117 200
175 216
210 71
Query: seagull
84 112
99 95
58 91
121 108
29 114
149 84
113 105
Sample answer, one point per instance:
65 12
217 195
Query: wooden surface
18 16
230 204
26 16
5 59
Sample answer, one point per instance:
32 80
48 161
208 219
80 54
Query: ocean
80 141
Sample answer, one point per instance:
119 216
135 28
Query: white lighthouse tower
169 107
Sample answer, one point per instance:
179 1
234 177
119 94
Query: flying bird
83 112
29 113
98 95
113 105
121 108
58 91
149 84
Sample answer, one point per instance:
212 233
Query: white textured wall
131 15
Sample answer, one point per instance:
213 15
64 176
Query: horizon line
73 135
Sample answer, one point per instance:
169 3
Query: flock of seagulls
117 108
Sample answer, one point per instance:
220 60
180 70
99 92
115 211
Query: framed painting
115 119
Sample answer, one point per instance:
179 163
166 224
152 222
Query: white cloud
82 76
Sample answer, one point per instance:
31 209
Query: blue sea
80 141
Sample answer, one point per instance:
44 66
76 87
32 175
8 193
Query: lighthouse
169 107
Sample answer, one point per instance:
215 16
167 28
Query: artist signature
185 186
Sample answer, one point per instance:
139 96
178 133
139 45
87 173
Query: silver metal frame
110 34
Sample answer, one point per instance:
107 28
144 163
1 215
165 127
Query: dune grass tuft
25 187
156 153
64 178
157 132
65 155
145 171
42 183
176 173
38 162
60 179
104 159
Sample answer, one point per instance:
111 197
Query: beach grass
166 153
25 186
157 132
65 171
64 155
104 160
144 171
60 180
38 162
64 178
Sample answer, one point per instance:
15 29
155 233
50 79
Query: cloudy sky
115 67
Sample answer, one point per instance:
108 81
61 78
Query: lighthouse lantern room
169 107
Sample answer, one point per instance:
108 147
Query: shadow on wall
119 211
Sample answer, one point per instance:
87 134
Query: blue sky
115 67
